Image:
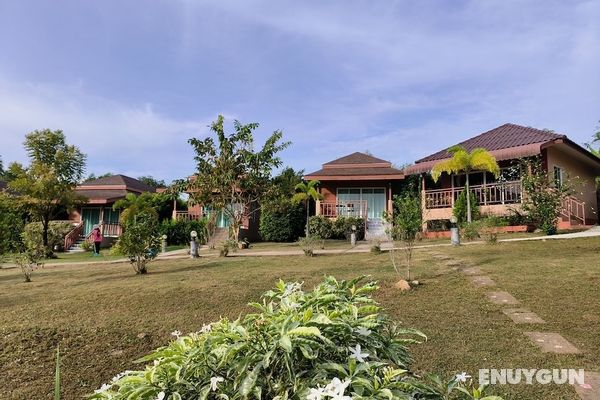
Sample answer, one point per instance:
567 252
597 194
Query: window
559 175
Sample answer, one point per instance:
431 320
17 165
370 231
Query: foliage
284 183
308 244
406 224
227 246
30 259
57 230
152 181
463 161
305 192
231 176
340 228
470 230
134 204
542 200
140 241
488 228
178 231
460 210
12 222
93 177
375 246
47 185
86 246
282 221
298 345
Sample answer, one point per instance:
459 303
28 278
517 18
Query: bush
282 222
488 228
340 228
460 207
297 345
12 222
178 231
57 230
470 231
308 244
140 241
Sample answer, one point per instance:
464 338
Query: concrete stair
76 247
376 229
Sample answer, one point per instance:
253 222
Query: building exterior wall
581 177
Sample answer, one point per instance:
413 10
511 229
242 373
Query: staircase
76 246
376 229
572 213
220 235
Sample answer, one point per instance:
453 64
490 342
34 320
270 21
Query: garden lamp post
163 247
193 244
454 234
353 236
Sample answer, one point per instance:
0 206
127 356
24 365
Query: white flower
103 388
357 353
316 394
462 377
214 382
206 328
160 396
176 333
336 389
363 331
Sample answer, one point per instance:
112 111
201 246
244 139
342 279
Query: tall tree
463 161
305 192
152 181
133 205
47 184
231 176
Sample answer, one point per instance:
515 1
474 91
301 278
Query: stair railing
73 236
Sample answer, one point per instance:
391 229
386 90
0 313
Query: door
90 217
375 202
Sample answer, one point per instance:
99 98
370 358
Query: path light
163 247
194 244
454 234
353 236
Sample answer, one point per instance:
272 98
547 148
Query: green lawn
104 317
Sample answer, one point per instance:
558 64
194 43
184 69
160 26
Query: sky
130 82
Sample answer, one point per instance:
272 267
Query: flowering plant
331 343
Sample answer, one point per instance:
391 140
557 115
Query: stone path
523 316
548 342
551 342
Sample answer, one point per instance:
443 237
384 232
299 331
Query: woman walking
97 239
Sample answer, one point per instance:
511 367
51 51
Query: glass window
342 191
558 176
378 191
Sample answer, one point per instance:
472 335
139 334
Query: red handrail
73 236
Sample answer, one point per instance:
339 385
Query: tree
595 140
47 185
232 177
463 161
12 221
93 177
305 192
140 241
133 204
152 181
406 225
284 184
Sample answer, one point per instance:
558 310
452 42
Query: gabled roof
125 182
507 142
356 166
503 137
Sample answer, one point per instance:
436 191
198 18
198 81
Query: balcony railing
336 209
185 215
489 194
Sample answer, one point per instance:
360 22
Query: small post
353 236
163 247
193 244
454 234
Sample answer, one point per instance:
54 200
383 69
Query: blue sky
129 82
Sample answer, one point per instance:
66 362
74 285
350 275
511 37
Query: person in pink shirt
96 237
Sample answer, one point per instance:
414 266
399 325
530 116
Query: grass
103 316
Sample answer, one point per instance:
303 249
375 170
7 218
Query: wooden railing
573 208
73 236
489 194
344 209
185 215
111 229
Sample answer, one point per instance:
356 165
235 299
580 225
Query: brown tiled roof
108 195
119 180
357 158
503 137
356 166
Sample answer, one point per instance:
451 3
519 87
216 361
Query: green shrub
460 207
140 241
340 228
57 230
320 226
282 222
178 231
12 222
297 345
470 231
309 244
488 228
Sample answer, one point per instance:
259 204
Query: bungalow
101 194
358 185
560 156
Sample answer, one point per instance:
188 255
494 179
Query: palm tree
462 161
305 191
133 204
